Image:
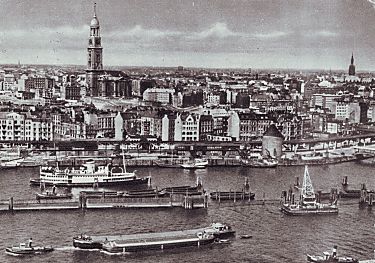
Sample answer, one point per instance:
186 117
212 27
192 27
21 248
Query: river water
275 237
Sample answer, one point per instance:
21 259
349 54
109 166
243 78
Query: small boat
195 164
308 203
27 249
222 241
52 195
260 162
11 163
246 236
328 257
216 230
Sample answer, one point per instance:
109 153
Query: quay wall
141 162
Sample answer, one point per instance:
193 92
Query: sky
290 34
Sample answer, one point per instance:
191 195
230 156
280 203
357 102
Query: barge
158 243
323 160
234 195
216 230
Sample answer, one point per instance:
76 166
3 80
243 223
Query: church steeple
95 56
352 66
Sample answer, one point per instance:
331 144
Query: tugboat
327 257
27 249
308 203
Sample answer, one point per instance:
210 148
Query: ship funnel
247 185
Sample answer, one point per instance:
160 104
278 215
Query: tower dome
94 20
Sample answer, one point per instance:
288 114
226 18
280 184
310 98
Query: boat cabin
327 255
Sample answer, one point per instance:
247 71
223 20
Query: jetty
85 202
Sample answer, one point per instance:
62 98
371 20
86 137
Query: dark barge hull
137 181
28 251
87 244
223 196
350 194
161 246
304 212
325 161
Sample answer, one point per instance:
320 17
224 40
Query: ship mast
307 188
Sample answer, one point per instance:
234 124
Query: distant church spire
352 66
95 56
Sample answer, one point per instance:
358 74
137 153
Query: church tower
94 56
352 67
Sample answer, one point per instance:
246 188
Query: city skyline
214 34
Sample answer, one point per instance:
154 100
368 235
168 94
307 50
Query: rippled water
276 237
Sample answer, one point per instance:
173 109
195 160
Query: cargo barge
172 238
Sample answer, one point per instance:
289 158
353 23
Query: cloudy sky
201 33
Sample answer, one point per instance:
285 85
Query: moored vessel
320 159
196 163
88 174
259 162
328 257
308 203
52 195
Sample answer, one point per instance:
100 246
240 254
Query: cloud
326 33
217 30
273 34
139 32
320 34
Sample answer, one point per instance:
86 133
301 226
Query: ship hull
137 181
162 245
231 196
16 251
168 239
309 211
